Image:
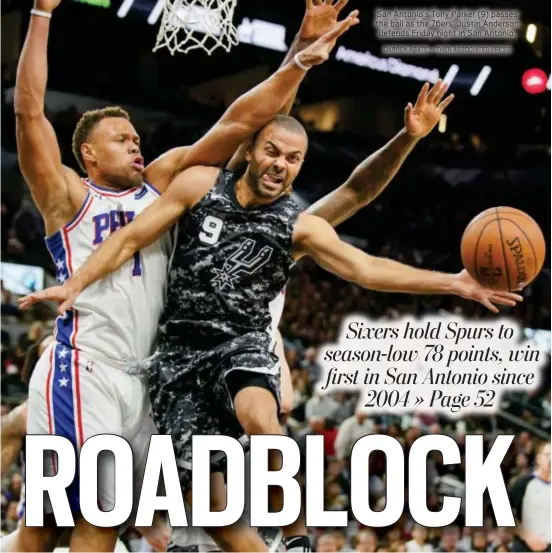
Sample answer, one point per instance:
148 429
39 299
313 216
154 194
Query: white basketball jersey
115 318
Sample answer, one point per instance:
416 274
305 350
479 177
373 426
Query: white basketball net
192 24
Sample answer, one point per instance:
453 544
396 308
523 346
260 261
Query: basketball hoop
197 24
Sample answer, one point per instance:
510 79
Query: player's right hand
46 5
319 51
64 295
533 541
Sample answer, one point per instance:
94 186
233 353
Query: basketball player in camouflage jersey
215 371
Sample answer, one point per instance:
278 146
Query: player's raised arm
372 176
248 113
319 18
37 145
315 237
152 223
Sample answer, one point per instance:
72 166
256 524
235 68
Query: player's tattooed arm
315 237
372 176
56 189
249 113
319 18
183 193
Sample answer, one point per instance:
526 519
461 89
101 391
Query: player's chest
106 215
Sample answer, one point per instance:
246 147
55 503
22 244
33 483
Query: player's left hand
157 536
319 51
421 118
64 295
470 289
320 17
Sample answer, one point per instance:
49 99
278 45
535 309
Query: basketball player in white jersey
81 386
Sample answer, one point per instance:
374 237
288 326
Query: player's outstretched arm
315 237
150 225
373 175
37 146
248 113
319 18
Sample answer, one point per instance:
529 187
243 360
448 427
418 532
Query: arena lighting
531 33
451 73
97 3
386 65
480 80
534 81
263 33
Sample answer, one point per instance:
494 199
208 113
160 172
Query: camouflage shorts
196 400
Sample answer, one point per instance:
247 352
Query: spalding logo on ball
503 248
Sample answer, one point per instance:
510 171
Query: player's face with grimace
114 148
275 159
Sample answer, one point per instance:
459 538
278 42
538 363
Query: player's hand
467 287
64 295
421 118
319 51
320 17
157 536
534 542
46 5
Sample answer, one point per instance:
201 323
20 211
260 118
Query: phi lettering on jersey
110 221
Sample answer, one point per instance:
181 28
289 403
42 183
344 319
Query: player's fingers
340 5
509 296
434 91
309 4
446 102
64 306
408 109
489 305
442 92
422 96
317 2
26 302
503 301
343 26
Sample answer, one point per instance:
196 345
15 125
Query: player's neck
543 475
96 178
246 195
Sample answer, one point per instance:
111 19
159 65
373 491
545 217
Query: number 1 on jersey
137 267
211 228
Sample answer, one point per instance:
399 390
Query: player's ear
87 151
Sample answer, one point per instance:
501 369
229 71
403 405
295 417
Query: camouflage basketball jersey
229 263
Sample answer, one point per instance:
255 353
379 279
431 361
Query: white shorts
73 396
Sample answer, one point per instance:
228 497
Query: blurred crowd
419 220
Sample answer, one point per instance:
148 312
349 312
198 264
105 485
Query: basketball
503 248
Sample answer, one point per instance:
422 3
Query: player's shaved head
285 121
275 156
